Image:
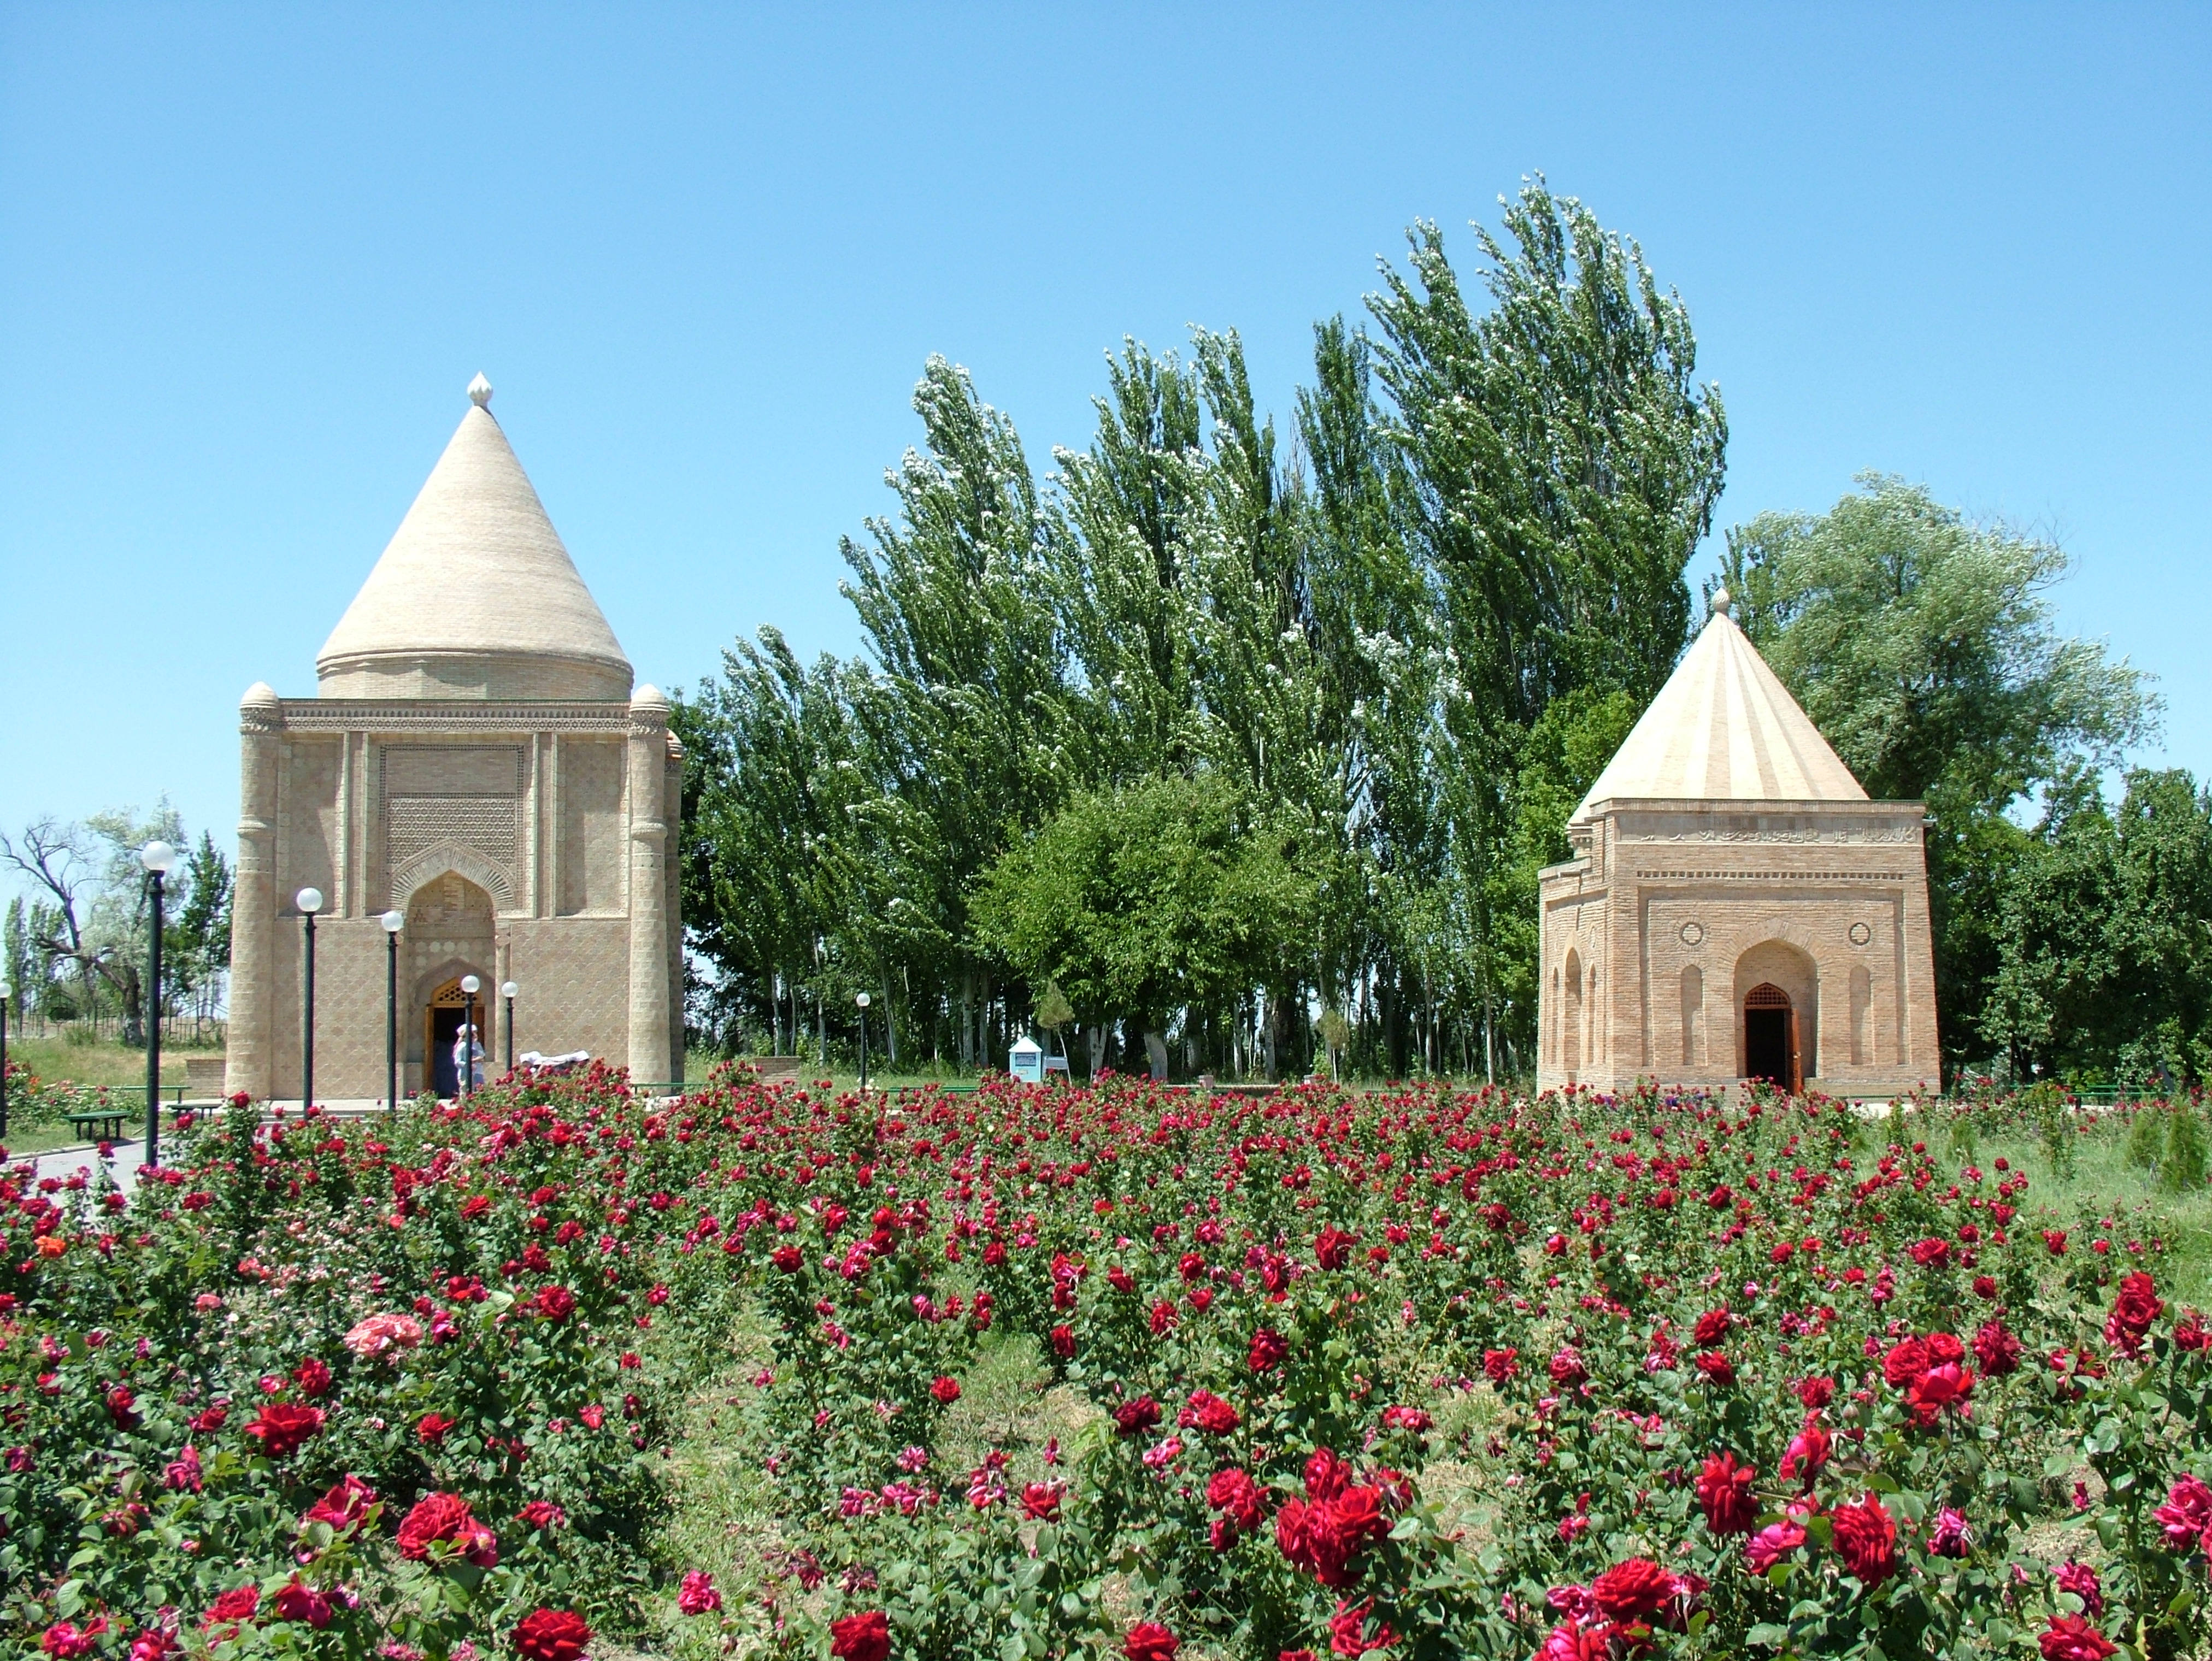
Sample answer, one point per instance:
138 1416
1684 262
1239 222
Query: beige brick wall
1652 938
450 823
593 831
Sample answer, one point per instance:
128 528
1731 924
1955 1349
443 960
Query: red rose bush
1120 1370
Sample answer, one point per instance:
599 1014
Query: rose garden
1111 1371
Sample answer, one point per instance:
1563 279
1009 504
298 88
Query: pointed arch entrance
1770 1037
452 932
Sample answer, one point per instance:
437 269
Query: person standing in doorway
469 1052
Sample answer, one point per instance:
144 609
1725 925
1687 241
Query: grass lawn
104 1063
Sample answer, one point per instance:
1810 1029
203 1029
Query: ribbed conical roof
475 591
1723 728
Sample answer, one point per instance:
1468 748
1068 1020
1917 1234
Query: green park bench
99 1123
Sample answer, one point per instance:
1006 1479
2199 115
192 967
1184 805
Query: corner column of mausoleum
649 1060
250 1043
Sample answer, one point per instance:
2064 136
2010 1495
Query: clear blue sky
249 259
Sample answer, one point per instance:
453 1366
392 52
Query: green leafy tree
1923 645
198 940
17 962
1563 463
1164 894
1488 505
2105 937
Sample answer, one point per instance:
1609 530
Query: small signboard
1025 1061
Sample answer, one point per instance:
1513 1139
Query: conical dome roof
1723 728
475 596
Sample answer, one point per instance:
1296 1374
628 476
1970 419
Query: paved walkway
64 1163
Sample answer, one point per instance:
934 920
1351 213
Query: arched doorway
442 1026
1770 1037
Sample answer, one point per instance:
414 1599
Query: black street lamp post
393 922
310 901
158 858
508 991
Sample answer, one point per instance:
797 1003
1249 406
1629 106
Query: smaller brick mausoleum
1736 907
475 760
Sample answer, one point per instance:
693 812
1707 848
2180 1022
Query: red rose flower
1500 1365
284 1427
344 1505
1866 1538
1063 1341
1209 1413
1148 1640
236 1605
1234 1491
552 1635
2134 1309
2071 1638
1567 1370
556 1303
861 1637
1713 1327
1041 1501
313 1376
1333 1248
1573 1641
2186 1514
1816 1393
1724 1491
445 1519
302 1605
1634 1592
698 1595
65 1641
1807 1452
1135 1418
430 1429
1268 1350
1906 1360
946 1391
1996 1350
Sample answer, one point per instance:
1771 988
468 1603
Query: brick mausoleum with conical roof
476 762
1736 907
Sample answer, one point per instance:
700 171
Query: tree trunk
1156 1052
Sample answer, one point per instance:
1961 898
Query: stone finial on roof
1720 602
480 392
